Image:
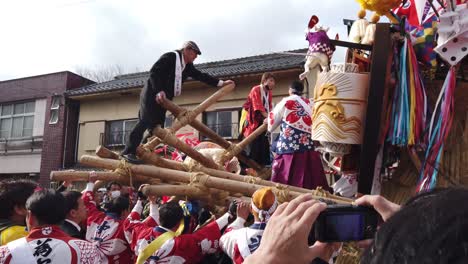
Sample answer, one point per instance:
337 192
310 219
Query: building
38 125
109 110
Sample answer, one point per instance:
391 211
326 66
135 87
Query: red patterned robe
187 248
106 232
255 104
49 244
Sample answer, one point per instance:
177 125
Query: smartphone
342 223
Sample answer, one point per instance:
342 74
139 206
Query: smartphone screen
340 223
339 227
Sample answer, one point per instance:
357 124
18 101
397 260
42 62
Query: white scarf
177 76
304 105
264 215
265 98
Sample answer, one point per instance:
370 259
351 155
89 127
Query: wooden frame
382 53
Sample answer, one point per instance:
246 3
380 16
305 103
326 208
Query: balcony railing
118 138
115 138
20 144
228 131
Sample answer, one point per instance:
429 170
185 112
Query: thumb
318 250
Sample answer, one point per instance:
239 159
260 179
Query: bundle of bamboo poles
211 178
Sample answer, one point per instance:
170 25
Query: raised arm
228 239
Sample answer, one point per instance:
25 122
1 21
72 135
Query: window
225 123
54 109
168 122
17 120
117 132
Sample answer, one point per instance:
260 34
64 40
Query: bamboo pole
248 140
171 140
198 110
84 176
204 179
187 191
150 157
101 176
104 152
202 128
203 106
174 190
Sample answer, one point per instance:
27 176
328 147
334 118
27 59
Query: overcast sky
45 36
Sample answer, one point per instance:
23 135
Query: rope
252 180
198 180
169 136
125 169
199 177
187 167
320 192
147 149
282 192
186 117
192 166
230 152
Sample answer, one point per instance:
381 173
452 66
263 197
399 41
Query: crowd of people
66 226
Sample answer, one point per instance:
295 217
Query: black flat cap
192 45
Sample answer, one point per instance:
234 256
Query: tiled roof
220 69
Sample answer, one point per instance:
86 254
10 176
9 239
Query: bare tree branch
100 73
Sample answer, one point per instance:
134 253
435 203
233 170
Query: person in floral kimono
105 229
46 242
238 242
296 162
165 244
255 111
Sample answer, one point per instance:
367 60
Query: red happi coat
254 105
239 242
49 244
106 231
187 248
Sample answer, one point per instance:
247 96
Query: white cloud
53 35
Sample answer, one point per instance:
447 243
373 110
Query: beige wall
113 108
96 110
27 163
39 117
89 136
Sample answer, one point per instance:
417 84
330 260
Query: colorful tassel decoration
409 100
439 128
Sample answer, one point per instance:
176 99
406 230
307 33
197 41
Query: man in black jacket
76 214
165 81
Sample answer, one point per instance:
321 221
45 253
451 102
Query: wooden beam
382 53
352 45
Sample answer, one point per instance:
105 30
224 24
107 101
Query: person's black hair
14 193
203 216
431 228
170 214
109 185
48 206
297 86
117 205
71 200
